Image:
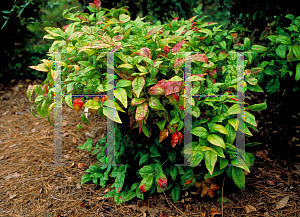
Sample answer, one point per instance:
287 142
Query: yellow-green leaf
121 95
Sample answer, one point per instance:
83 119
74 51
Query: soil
30 185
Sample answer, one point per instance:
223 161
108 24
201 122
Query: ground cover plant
149 99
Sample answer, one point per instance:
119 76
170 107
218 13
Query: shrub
150 92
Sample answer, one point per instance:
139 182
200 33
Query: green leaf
175 193
196 111
147 181
247 43
258 48
154 103
216 140
258 107
283 40
142 69
200 132
239 162
233 110
223 163
219 128
84 119
115 117
161 124
126 66
238 177
68 100
123 83
217 171
92 104
296 51
223 44
173 172
249 118
234 123
85 178
145 130
147 170
143 159
113 104
281 51
297 75
137 84
174 121
210 160
121 95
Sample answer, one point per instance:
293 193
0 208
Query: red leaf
162 54
158 89
177 64
140 126
175 139
214 187
166 49
144 51
77 104
173 87
213 73
199 75
141 111
150 33
189 181
174 98
163 134
131 121
97 3
142 189
162 182
176 18
193 23
204 191
84 18
124 74
180 135
183 32
177 47
64 28
200 57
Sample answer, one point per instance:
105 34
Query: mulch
31 186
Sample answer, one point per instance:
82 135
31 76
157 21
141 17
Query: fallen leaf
266 214
12 196
80 165
72 165
203 214
14 175
282 202
214 212
250 208
78 186
269 182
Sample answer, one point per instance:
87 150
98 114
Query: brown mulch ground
30 187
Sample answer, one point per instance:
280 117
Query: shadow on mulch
30 187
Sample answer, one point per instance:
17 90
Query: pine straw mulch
30 187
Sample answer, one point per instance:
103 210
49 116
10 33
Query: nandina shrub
149 92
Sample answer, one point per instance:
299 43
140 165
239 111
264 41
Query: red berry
77 104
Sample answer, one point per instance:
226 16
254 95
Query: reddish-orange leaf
214 187
210 193
145 52
175 139
84 18
166 49
77 104
177 47
177 64
173 87
214 212
180 135
204 191
163 134
141 111
213 73
140 126
200 57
